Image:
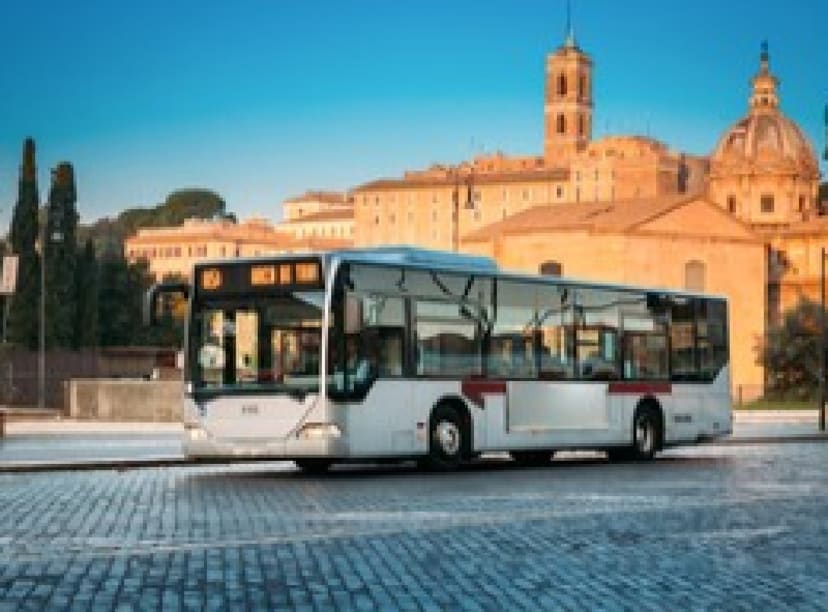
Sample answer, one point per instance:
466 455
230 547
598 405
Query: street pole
455 212
41 363
822 339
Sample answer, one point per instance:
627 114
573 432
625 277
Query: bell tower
568 100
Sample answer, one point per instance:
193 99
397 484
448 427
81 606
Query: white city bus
397 352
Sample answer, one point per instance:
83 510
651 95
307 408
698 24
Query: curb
164 462
119 464
792 439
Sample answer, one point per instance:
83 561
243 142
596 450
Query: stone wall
125 400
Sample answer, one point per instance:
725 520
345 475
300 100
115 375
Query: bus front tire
446 439
313 466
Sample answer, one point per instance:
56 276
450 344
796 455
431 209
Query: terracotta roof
480 178
617 216
343 214
328 197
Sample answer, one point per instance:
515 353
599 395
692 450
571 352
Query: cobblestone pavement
740 527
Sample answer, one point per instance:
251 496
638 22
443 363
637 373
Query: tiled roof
327 197
595 216
344 214
480 178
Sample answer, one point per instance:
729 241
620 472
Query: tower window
561 124
801 203
731 204
582 88
561 84
767 203
581 129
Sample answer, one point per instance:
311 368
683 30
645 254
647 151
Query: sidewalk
65 444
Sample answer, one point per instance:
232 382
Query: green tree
178 206
86 285
61 258
23 324
115 323
790 353
121 290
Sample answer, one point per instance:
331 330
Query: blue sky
263 99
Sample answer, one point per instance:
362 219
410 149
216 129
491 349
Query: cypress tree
61 258
23 324
116 325
86 314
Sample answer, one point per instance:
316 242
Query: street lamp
822 253
455 201
821 394
41 356
55 238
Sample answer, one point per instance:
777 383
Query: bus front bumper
319 441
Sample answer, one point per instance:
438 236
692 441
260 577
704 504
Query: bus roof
430 259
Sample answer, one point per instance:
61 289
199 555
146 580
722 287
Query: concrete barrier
125 400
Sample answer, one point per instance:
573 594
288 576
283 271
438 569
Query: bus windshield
267 343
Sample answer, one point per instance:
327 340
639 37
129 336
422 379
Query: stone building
319 214
627 209
174 250
676 242
765 172
436 206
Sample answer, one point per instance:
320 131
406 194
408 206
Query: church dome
765 139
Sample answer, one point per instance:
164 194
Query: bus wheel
446 439
313 466
646 433
532 458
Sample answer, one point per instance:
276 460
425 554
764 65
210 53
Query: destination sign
241 277
262 275
211 279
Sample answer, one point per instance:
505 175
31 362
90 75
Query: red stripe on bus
475 389
640 388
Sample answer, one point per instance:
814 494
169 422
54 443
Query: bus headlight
196 434
315 431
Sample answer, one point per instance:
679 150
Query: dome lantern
764 96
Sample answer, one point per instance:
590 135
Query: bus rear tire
446 439
532 458
313 466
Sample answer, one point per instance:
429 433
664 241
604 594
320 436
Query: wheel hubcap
644 435
448 437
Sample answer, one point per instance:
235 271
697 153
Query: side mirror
164 298
353 314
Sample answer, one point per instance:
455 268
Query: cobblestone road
707 527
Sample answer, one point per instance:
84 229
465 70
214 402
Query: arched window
561 124
561 84
582 88
551 268
731 204
581 128
694 275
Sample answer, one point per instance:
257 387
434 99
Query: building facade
325 215
172 251
743 222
